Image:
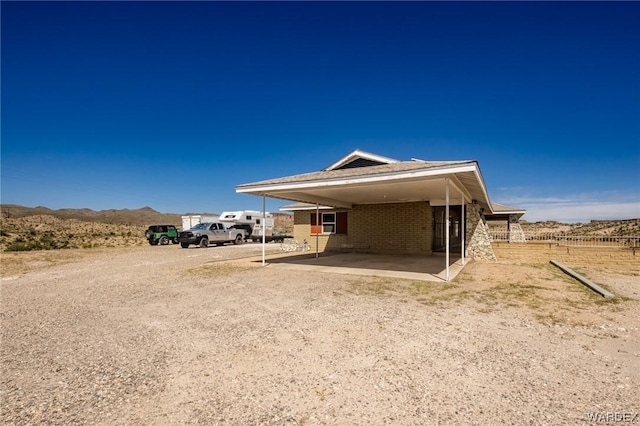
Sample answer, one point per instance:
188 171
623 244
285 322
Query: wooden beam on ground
593 286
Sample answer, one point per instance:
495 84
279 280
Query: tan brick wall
606 258
302 231
403 228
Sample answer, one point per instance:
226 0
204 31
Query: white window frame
332 223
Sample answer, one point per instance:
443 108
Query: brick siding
398 228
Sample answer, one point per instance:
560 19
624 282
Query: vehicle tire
148 235
153 243
164 240
239 240
174 241
204 242
184 245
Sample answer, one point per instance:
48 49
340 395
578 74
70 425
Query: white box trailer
252 221
189 221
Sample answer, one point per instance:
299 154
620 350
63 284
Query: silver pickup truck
204 234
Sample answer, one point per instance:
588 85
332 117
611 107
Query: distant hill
142 216
627 227
40 228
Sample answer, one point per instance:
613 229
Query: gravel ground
161 335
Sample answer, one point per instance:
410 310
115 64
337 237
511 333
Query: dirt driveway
161 335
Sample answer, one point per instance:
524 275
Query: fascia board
262 190
484 187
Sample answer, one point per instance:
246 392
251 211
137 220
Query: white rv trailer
189 221
252 222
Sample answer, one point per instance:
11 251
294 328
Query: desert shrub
22 246
48 241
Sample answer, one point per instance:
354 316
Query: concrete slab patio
423 268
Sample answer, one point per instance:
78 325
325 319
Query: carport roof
501 211
381 180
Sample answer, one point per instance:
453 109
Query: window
330 223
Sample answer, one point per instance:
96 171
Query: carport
419 268
361 178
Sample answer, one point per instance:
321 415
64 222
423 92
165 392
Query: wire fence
624 241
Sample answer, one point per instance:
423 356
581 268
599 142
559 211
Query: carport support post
463 230
317 229
264 227
447 230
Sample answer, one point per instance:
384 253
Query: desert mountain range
34 228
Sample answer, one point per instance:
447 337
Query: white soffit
302 207
414 186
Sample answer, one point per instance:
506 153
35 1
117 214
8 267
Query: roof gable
360 158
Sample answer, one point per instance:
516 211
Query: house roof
379 170
502 210
376 179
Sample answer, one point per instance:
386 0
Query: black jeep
161 234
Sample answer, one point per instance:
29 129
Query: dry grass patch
379 287
543 291
539 289
219 269
421 291
25 262
397 286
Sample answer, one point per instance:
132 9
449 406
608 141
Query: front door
440 226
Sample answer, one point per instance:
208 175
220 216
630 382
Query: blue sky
172 104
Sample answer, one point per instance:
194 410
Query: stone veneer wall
516 233
477 233
394 228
